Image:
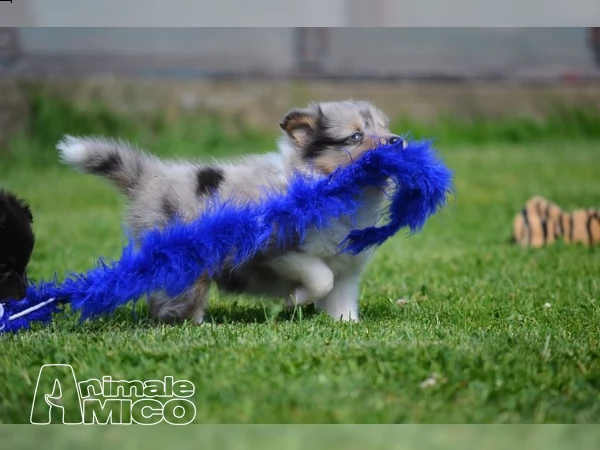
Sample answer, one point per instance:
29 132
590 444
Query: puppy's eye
356 137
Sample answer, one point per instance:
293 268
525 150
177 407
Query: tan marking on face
333 145
330 159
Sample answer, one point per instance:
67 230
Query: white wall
224 48
352 51
458 50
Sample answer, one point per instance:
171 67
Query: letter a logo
57 398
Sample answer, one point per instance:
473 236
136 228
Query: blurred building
238 70
325 52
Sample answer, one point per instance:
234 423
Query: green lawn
474 315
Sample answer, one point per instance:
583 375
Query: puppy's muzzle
393 139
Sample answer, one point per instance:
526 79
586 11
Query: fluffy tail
115 160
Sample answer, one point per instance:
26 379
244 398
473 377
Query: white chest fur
325 244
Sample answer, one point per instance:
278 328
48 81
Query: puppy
315 140
16 245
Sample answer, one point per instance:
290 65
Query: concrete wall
230 49
460 51
350 52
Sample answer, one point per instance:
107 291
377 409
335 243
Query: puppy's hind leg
314 276
342 301
187 306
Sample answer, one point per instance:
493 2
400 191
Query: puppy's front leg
342 301
314 276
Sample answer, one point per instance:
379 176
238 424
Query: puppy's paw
300 297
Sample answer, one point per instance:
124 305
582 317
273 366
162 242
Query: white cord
33 308
26 311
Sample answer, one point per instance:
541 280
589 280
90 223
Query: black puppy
16 245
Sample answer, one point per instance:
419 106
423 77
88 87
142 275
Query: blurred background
350 53
257 74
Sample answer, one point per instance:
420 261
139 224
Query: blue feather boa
171 259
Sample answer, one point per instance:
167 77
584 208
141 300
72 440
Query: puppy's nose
393 139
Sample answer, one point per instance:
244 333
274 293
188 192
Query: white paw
351 316
303 296
337 313
300 297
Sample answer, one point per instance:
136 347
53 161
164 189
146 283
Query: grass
474 314
320 437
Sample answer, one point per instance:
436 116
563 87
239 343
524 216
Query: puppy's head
332 134
16 245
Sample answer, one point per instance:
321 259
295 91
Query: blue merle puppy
318 138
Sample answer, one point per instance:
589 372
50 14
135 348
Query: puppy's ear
300 124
